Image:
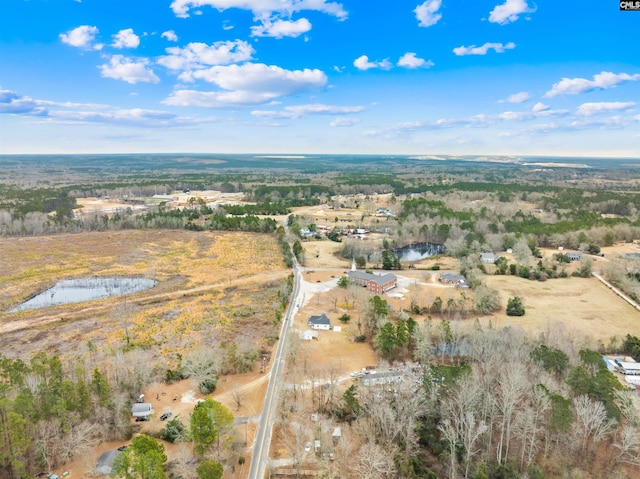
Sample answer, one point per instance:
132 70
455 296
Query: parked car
122 448
307 447
142 418
165 416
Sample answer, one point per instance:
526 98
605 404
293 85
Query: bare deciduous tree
238 397
591 425
374 462
628 444
512 385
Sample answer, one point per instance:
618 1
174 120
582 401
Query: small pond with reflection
418 251
85 289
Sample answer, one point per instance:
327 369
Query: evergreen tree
209 469
144 459
209 421
515 306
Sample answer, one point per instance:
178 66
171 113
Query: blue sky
512 77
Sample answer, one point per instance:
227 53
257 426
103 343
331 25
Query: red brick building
375 283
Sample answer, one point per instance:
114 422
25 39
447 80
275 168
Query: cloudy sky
515 77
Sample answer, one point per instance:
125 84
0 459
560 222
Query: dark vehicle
165 416
142 418
122 448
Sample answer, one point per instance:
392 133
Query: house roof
141 409
308 334
322 319
452 277
378 278
105 462
384 374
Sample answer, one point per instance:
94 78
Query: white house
319 322
381 378
140 409
489 258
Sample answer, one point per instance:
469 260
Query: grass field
209 284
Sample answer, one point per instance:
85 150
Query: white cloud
538 107
516 98
170 35
589 109
509 11
126 39
363 63
126 69
342 122
298 111
258 77
82 37
67 112
482 50
601 81
539 110
281 28
12 102
199 55
247 84
427 13
217 99
261 8
410 60
609 123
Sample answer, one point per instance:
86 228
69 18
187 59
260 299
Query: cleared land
219 281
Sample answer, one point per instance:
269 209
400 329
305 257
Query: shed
105 462
141 409
308 335
336 435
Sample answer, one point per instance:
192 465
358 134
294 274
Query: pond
85 289
418 251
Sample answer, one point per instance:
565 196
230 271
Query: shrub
207 386
174 431
515 306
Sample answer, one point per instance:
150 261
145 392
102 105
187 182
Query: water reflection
85 289
418 251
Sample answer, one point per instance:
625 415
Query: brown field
584 307
222 280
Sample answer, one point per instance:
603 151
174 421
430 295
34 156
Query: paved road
265 427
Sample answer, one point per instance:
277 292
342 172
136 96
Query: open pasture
208 284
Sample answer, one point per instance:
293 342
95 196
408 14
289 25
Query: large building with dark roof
376 283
